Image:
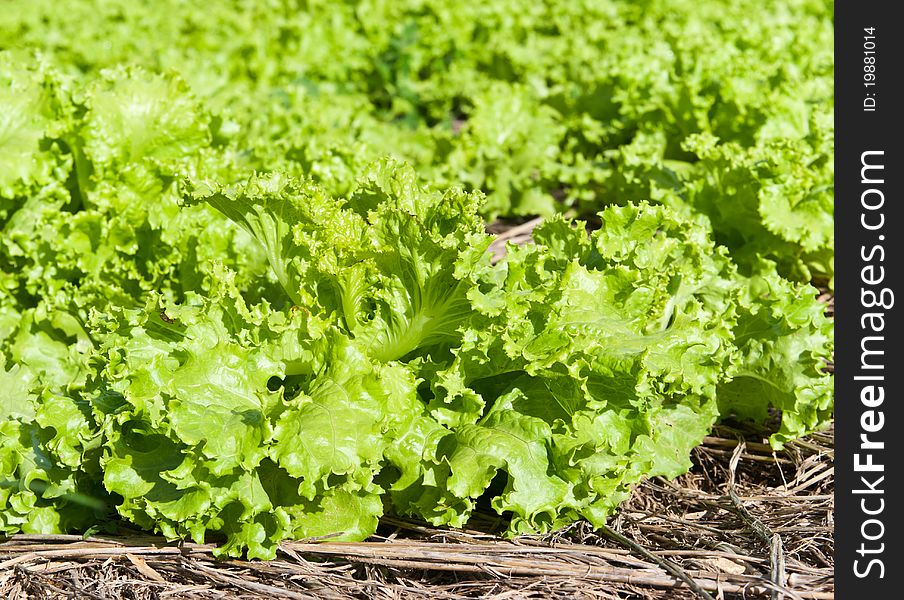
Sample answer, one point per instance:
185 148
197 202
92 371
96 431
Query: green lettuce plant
225 313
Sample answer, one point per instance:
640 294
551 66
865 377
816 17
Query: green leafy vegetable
245 286
542 105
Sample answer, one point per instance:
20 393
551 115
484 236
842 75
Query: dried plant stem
662 562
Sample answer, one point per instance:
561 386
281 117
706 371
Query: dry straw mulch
745 522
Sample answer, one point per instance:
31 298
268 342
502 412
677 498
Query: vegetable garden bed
745 522
270 324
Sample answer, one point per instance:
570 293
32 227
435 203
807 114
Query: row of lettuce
224 310
722 108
